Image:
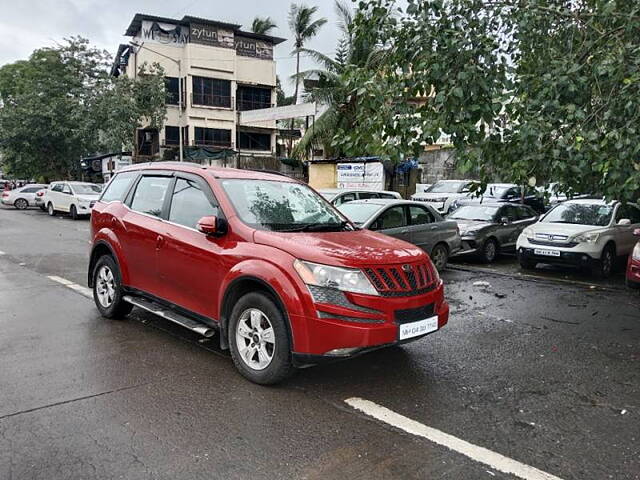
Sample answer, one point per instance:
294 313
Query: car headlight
589 237
528 232
469 233
636 252
439 199
345 279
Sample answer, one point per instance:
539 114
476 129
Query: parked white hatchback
74 198
22 197
586 233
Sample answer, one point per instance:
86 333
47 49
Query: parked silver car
488 228
413 222
337 196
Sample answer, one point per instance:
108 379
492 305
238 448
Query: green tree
263 26
58 106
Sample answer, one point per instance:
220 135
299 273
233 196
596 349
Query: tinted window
420 215
525 212
391 218
367 195
628 211
189 204
387 195
118 187
31 189
57 187
150 195
510 212
634 214
347 197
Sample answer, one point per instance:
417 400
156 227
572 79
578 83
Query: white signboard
278 113
360 175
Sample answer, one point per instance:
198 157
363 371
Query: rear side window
189 204
57 187
367 195
31 189
394 217
118 187
420 215
387 195
150 194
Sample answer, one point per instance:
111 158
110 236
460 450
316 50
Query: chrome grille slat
395 281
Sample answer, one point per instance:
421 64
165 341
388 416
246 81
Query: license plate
546 253
415 329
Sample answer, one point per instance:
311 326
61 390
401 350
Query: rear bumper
633 274
577 259
319 340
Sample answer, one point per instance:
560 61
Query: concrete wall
440 164
322 175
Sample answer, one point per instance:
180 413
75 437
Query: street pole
180 127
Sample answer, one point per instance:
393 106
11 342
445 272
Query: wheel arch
100 248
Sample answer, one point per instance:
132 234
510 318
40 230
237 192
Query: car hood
567 229
351 248
87 197
466 225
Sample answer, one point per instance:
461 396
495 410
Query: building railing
209 100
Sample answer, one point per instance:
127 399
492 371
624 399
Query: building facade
217 70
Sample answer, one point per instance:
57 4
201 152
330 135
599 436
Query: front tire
259 340
107 289
50 210
490 250
73 212
604 267
21 204
526 264
440 256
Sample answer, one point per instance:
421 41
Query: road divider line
474 452
84 291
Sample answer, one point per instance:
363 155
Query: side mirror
636 232
209 225
624 222
505 221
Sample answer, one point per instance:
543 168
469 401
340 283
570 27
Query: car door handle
159 242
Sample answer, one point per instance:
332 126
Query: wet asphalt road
545 373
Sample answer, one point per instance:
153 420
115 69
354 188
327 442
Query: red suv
633 265
261 259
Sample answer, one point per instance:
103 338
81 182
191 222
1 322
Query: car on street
587 233
22 197
633 264
74 198
337 196
504 193
40 199
442 194
413 222
490 228
262 260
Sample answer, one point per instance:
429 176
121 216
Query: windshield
359 212
446 187
472 212
86 189
580 214
282 206
495 191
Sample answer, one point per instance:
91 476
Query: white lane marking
479 454
87 292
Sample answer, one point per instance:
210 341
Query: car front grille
535 241
402 280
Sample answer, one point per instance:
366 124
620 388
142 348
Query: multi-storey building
217 70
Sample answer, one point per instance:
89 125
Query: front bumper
633 274
577 259
316 337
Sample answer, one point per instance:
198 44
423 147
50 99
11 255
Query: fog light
342 351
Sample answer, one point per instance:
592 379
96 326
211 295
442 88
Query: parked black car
504 193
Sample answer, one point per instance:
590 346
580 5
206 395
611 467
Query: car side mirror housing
624 222
212 226
636 232
505 221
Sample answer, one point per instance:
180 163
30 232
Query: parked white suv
75 198
586 233
22 197
337 196
441 194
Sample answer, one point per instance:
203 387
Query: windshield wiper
318 227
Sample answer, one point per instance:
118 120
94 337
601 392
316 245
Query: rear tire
73 212
259 340
50 210
440 256
604 267
490 250
107 289
21 204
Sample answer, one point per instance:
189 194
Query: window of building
213 136
212 92
172 136
254 141
189 204
172 85
252 98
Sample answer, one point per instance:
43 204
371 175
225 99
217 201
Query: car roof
216 172
591 201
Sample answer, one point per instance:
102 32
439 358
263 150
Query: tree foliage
61 104
263 26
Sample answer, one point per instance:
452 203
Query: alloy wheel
490 251
607 262
21 204
439 257
255 339
105 286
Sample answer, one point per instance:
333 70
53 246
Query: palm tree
303 27
263 26
327 87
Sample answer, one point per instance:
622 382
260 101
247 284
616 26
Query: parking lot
540 370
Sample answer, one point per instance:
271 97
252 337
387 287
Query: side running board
170 315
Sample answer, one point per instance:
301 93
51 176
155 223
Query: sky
26 25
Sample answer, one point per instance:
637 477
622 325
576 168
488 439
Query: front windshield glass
474 212
86 189
359 212
282 206
446 187
495 191
580 214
